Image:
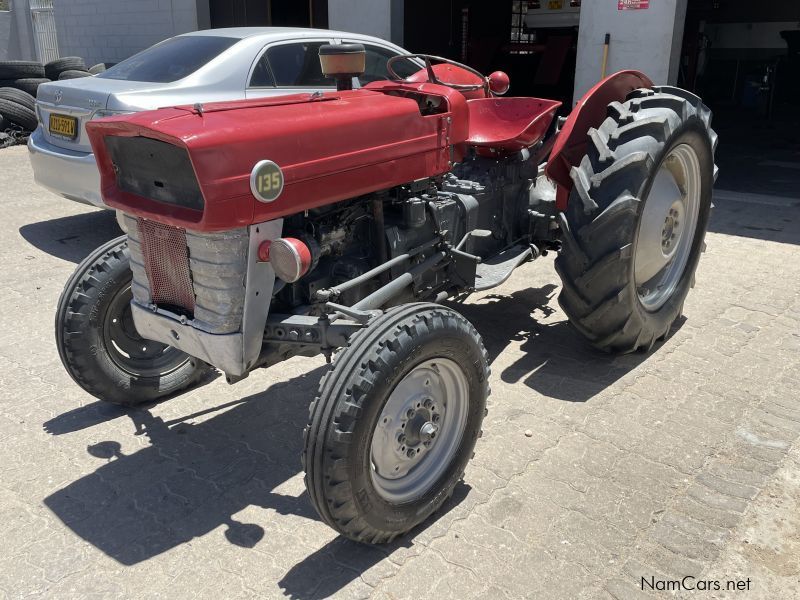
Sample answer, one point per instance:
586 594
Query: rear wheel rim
667 227
131 352
419 431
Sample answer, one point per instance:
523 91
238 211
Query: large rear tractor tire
635 225
99 345
395 422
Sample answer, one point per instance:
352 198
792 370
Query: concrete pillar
23 30
648 40
380 18
203 14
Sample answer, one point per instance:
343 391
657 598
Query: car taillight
290 258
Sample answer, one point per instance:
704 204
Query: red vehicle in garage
336 223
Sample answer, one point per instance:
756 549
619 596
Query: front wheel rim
419 431
129 351
667 227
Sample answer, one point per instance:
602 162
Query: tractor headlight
290 258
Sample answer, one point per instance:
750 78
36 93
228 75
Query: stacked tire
26 84
100 68
68 67
19 81
19 84
23 75
20 69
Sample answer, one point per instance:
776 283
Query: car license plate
64 126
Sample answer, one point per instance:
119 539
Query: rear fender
590 112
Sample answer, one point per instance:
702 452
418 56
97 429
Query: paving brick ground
681 463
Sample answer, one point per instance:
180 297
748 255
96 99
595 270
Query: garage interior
535 45
265 13
742 57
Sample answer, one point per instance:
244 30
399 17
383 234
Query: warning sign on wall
633 4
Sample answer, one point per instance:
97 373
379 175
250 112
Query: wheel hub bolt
401 439
410 413
428 431
435 418
410 452
428 403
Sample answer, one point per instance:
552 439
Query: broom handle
605 55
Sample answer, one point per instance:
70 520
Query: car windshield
170 60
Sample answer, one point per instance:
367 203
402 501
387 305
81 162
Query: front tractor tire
635 225
98 343
395 422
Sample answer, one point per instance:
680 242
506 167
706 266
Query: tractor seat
509 124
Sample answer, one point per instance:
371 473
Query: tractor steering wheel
461 87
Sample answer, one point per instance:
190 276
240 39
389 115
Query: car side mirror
343 62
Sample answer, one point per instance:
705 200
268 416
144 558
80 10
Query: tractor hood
191 166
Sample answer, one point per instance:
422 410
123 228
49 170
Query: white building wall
648 40
8 47
380 18
113 30
16 35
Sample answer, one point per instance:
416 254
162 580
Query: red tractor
336 223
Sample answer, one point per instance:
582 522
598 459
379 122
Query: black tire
30 85
16 113
20 69
83 320
18 96
73 74
4 123
342 418
601 224
98 68
68 63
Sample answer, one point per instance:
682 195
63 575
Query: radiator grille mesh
166 261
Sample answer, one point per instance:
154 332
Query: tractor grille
156 170
166 262
201 275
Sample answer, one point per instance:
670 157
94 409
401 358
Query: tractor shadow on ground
198 472
72 238
555 360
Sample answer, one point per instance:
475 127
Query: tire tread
600 222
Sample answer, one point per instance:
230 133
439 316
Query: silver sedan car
203 66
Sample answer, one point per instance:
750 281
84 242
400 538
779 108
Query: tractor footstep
494 271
